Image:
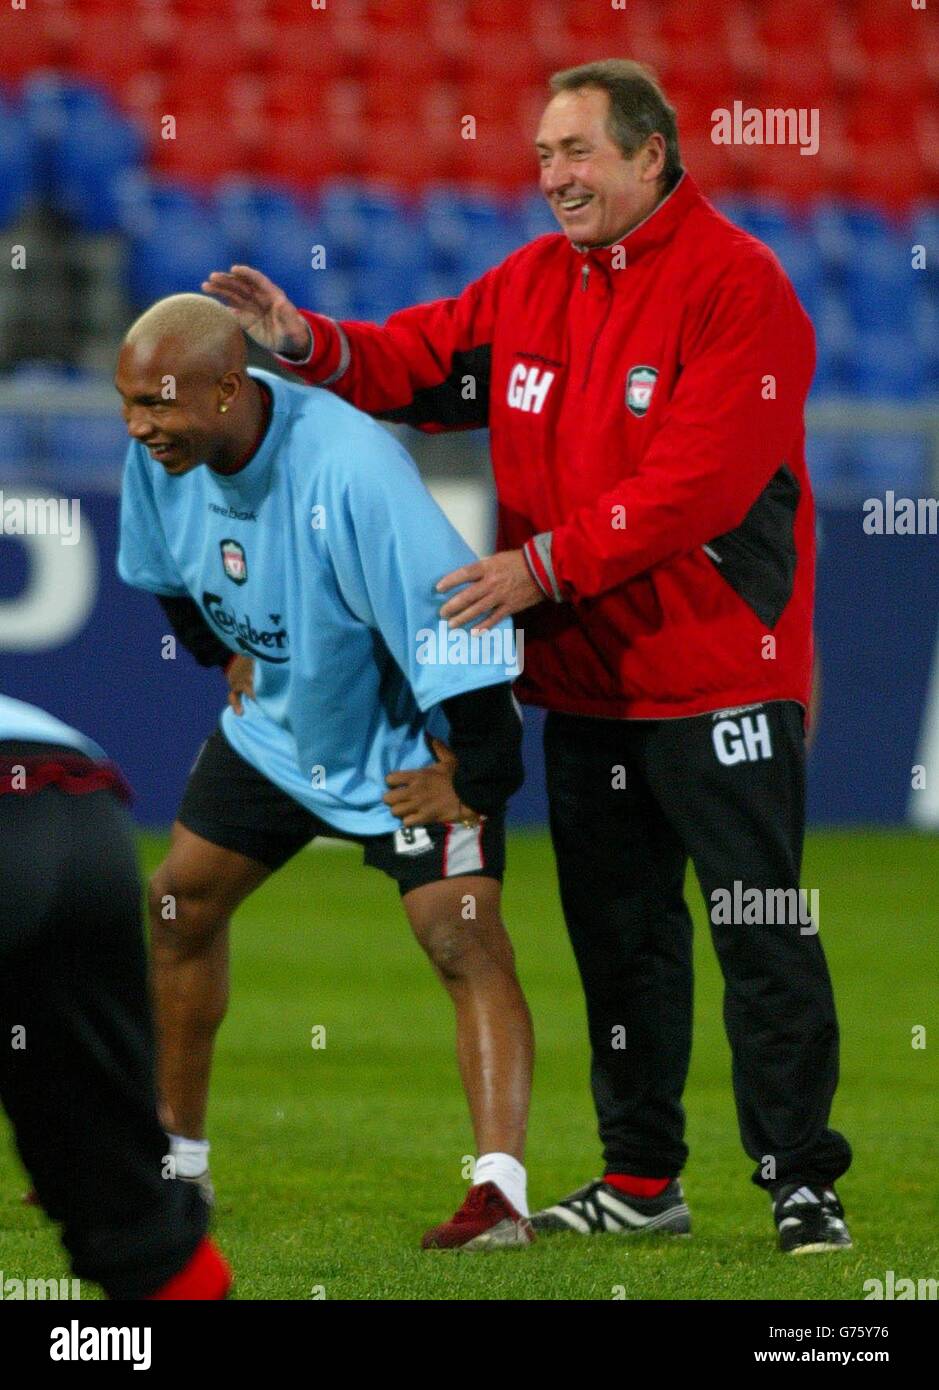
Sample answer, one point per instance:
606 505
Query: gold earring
222 409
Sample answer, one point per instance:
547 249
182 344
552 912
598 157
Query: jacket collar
653 231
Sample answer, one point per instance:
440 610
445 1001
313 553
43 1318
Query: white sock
191 1155
508 1175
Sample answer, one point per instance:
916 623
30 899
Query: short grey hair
638 106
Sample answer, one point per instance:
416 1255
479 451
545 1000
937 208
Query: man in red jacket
643 375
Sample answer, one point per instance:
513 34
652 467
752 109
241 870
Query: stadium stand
144 142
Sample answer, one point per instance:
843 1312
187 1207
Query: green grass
330 1163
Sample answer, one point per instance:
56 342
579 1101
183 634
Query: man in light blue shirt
290 539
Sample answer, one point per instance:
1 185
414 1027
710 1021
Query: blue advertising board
81 644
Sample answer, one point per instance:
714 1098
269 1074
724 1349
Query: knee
461 953
452 950
182 913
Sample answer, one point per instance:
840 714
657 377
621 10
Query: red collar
652 232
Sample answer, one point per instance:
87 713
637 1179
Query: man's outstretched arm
428 366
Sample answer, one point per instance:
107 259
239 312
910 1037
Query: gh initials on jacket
528 387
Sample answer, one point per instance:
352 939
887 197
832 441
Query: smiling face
176 418
596 192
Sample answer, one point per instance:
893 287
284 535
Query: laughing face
596 192
175 419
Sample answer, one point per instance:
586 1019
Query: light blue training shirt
319 559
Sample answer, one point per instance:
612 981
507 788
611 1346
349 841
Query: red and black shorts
231 804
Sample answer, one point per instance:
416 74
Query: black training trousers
631 801
76 1046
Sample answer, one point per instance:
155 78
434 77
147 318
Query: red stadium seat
183 9
797 76
529 105
205 148
399 53
405 15
796 23
691 23
714 168
879 31
391 96
145 96
585 31
899 77
782 170
509 58
394 153
253 132
303 151
255 39
311 49
894 57
495 104
701 64
871 121
489 39
499 16
210 47
294 93
340 105
486 99
589 18
890 174
695 106
338 102
245 91
703 68
894 170
501 157
283 11
28 40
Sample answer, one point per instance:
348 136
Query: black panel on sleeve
189 624
486 736
447 405
758 558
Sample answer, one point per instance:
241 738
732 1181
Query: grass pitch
331 1161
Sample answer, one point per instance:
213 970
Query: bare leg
192 896
475 962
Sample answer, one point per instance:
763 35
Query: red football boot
206 1275
486 1221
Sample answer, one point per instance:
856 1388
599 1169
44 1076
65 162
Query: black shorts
231 804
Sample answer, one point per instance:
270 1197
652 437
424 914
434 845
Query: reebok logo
232 512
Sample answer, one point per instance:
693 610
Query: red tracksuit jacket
645 403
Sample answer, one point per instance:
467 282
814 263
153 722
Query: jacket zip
609 304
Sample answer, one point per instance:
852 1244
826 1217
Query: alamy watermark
93 1343
775 125
13 1289
765 907
496 646
901 516
890 1287
41 516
